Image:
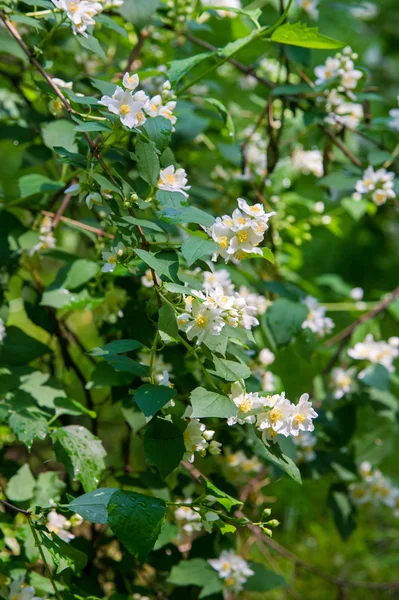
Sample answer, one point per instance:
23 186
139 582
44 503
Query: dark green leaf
263 580
147 162
37 184
151 398
158 130
285 319
180 68
28 426
228 502
93 506
195 247
60 133
164 263
299 34
167 321
163 445
117 347
18 348
211 404
273 453
342 509
64 555
91 43
139 12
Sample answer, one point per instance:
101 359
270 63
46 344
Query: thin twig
80 225
135 53
62 208
15 508
337 142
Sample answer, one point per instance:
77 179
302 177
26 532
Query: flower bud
267 531
273 523
134 197
266 513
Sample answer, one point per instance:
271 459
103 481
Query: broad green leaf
167 321
105 376
93 506
79 272
299 34
180 68
233 47
285 319
339 181
139 12
144 223
356 208
185 214
227 501
48 488
106 87
263 580
211 404
147 162
342 509
65 555
168 533
230 370
63 298
28 426
151 398
106 184
60 133
21 485
35 23
117 347
136 520
91 43
82 453
273 453
228 121
196 571
19 349
159 131
195 247
124 363
42 388
37 184
163 445
106 21
164 263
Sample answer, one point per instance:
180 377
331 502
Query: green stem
152 356
46 567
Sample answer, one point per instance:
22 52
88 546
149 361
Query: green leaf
285 319
273 454
299 34
230 370
195 571
37 184
78 273
185 214
147 162
343 511
356 208
180 68
195 247
136 520
164 263
21 485
151 398
110 23
159 131
93 506
117 347
338 181
28 426
139 12
126 364
91 43
263 580
228 502
163 445
35 23
92 126
48 488
211 404
228 121
233 47
60 133
168 533
82 453
144 223
64 555
19 349
105 376
167 321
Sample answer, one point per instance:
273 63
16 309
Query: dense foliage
198 302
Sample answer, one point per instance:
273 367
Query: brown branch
15 508
239 65
337 142
100 232
135 53
62 208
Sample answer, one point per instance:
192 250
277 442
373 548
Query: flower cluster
60 525
310 7
255 153
187 519
240 463
342 113
46 237
112 256
240 235
374 488
382 353
342 381
305 443
197 438
209 312
376 186
316 320
80 12
133 108
213 280
341 68
232 569
308 161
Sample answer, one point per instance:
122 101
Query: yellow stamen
201 321
243 236
223 242
125 109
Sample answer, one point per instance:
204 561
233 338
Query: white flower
319 207
46 241
188 519
129 107
220 278
240 461
232 569
342 381
364 11
356 293
111 257
94 198
20 592
308 161
268 381
246 402
201 319
148 280
255 152
302 416
59 525
227 3
327 71
63 84
305 443
316 320
257 301
130 81
346 114
310 6
173 181
376 185
277 419
2 330
266 357
197 438
383 353
156 108
80 12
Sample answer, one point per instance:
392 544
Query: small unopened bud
267 531
134 197
266 513
273 523
126 204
